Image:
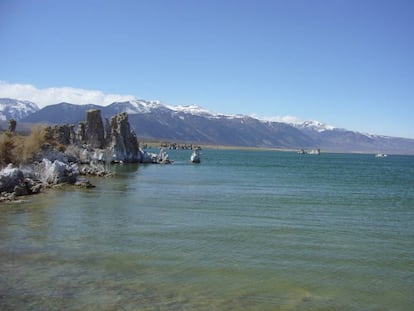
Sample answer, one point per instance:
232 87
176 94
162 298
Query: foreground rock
58 172
67 157
10 177
54 168
15 182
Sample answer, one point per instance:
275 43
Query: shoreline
154 144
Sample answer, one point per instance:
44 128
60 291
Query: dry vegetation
18 149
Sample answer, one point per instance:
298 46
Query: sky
347 63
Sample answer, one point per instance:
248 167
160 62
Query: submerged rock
161 158
83 183
147 157
20 190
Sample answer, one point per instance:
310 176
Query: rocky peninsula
55 155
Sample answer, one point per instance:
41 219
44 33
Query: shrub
33 142
18 149
7 145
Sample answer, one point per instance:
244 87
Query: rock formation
92 131
66 156
116 136
81 132
108 131
62 134
123 142
12 125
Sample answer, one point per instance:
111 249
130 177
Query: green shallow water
244 230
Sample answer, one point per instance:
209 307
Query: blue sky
346 63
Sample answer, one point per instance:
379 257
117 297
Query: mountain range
155 120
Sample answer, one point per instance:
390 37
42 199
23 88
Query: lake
243 230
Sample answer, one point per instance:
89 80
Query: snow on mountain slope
143 106
191 109
314 125
138 106
310 125
196 110
16 109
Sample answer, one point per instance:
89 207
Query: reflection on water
242 231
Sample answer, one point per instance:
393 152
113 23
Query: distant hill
60 114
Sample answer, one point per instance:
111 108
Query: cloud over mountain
54 95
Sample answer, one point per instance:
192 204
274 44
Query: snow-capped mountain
156 120
16 109
138 106
144 106
192 109
314 125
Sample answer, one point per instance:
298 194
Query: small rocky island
54 155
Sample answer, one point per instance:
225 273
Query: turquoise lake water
243 230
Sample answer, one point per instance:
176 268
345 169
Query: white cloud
55 95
